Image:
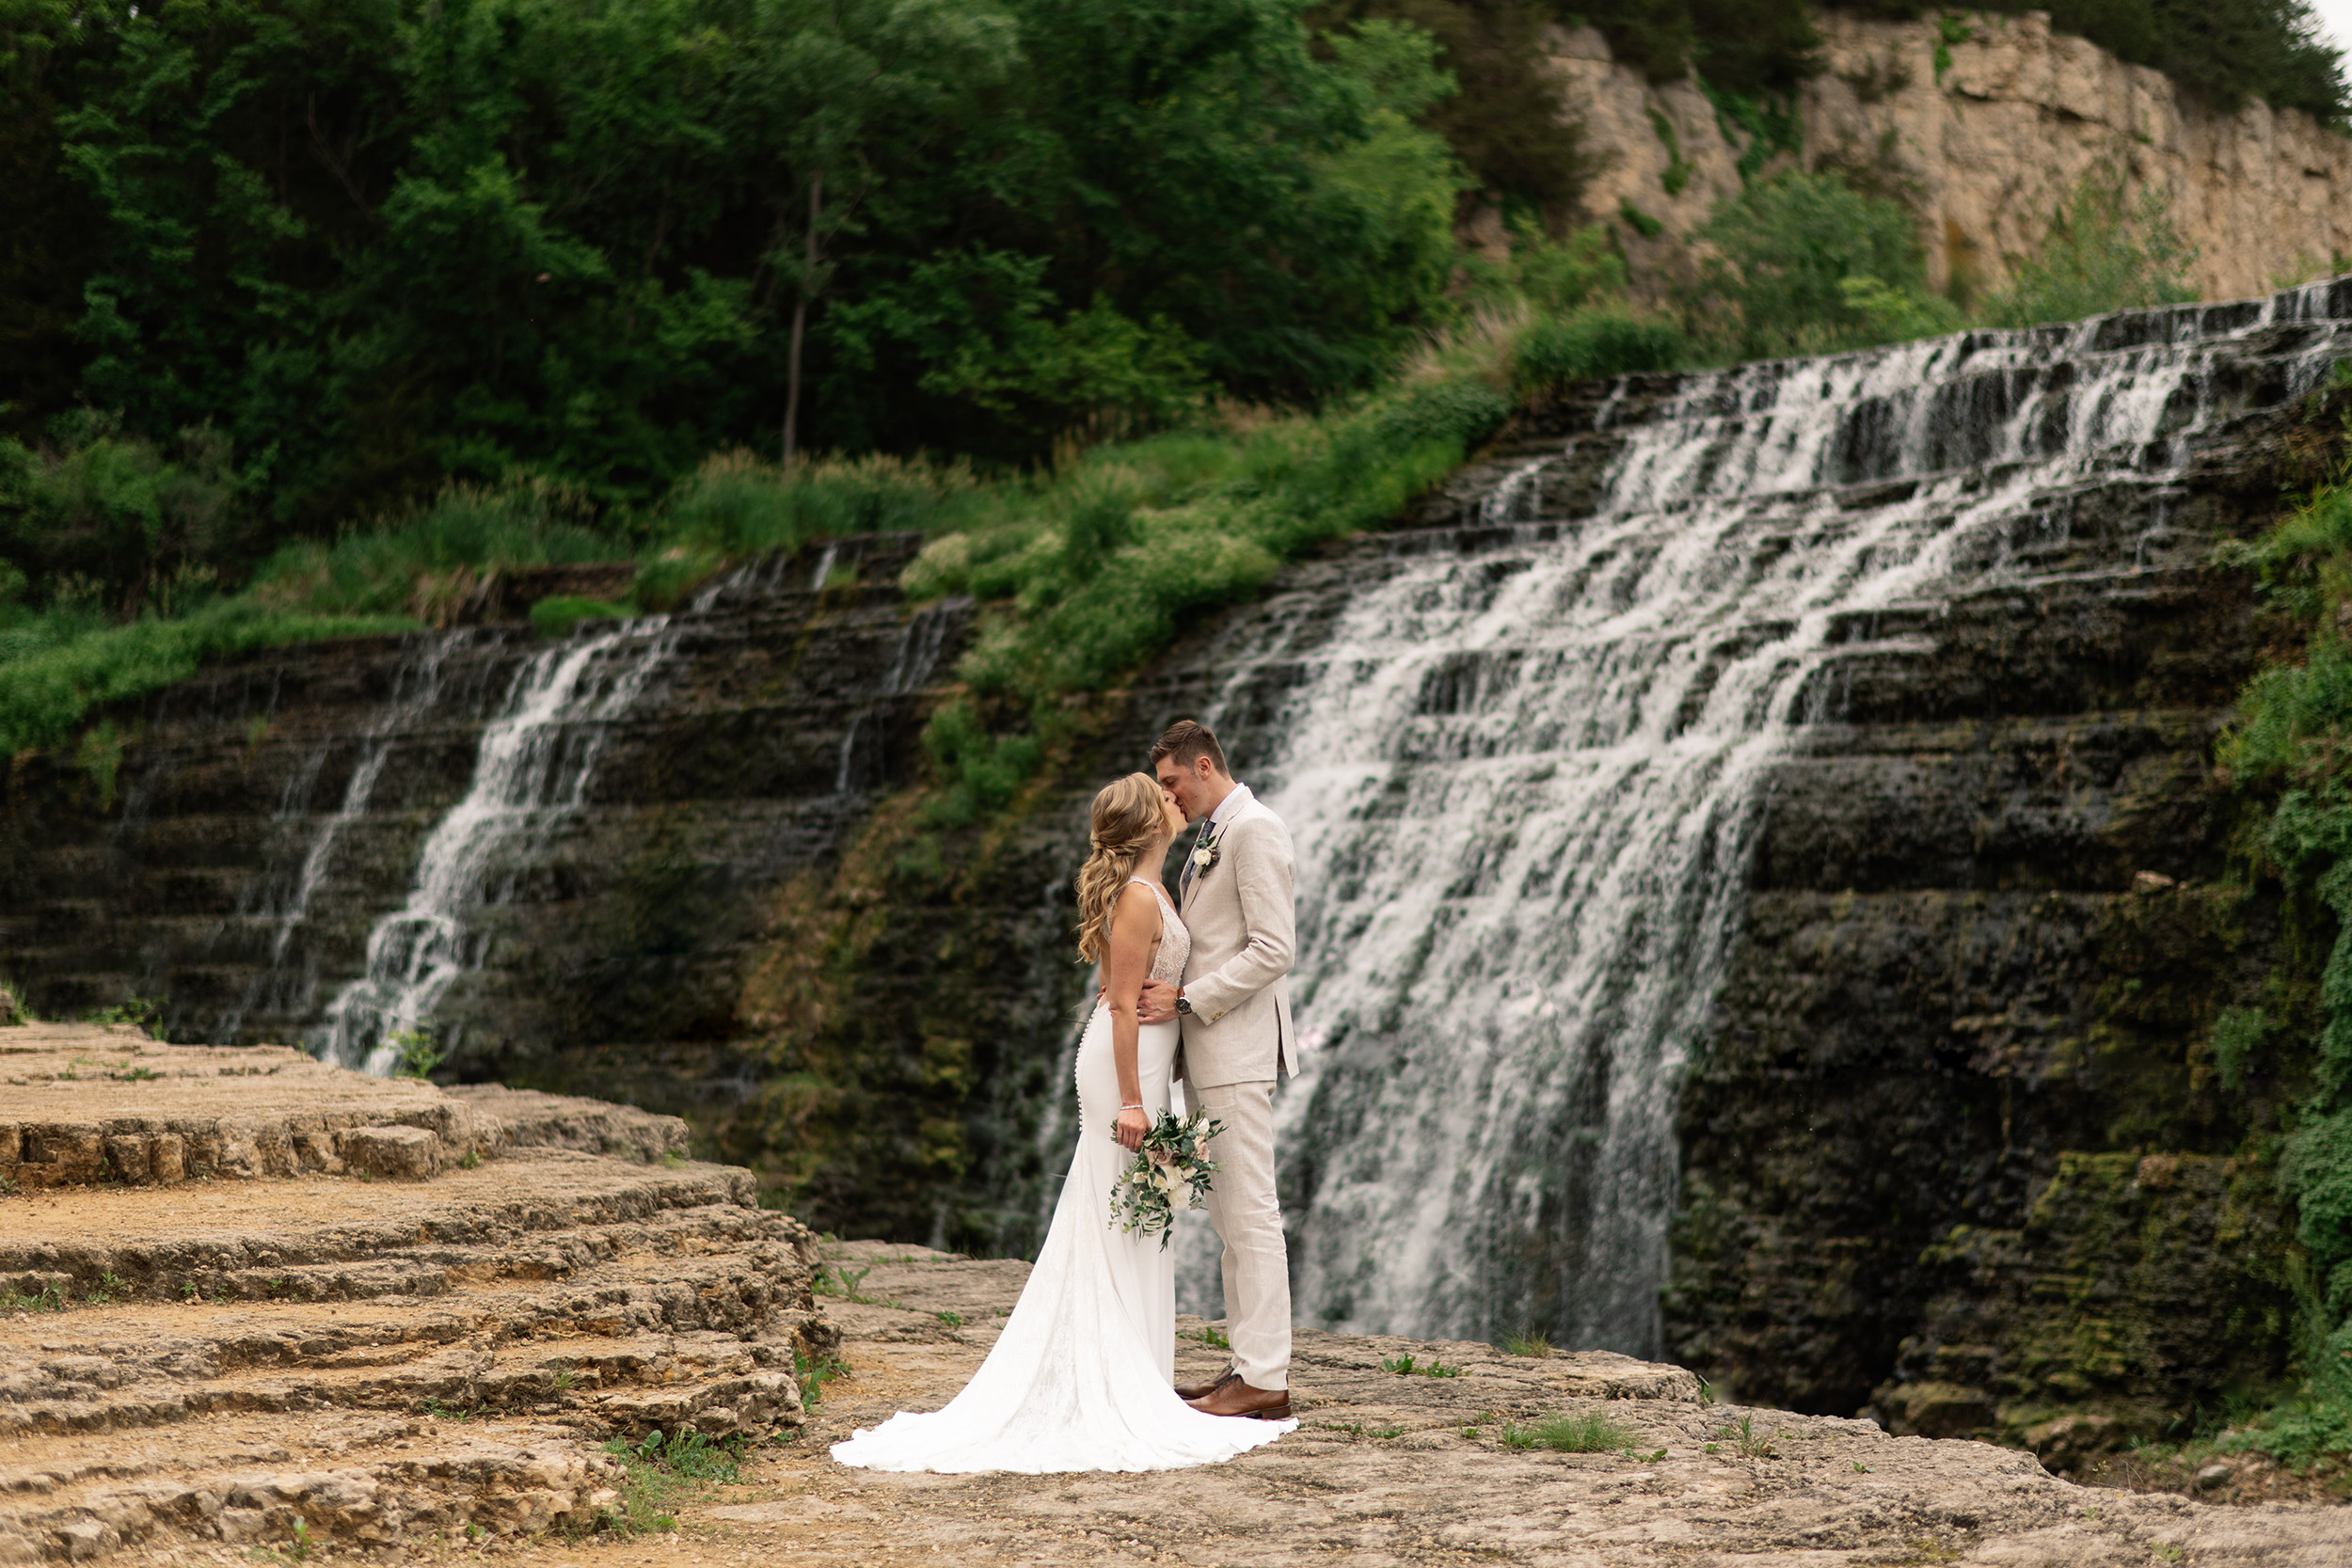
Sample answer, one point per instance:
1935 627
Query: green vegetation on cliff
2287 759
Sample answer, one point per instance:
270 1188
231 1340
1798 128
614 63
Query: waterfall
285 901
532 769
1524 773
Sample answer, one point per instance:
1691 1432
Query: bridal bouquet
1169 1173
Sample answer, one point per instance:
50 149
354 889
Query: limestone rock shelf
86 1102
281 1339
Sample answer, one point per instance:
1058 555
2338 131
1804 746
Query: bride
1079 1379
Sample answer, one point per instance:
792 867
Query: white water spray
1524 777
532 769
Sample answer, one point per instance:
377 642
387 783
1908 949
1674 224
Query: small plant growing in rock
138 1075
813 1376
1741 1434
841 1282
952 1320
1214 1338
1439 1369
1385 1432
1401 1365
1588 1433
1536 1344
138 1011
418 1056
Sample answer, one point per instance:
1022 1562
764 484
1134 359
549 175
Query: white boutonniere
1204 857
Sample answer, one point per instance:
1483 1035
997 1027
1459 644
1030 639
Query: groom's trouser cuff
1249 1219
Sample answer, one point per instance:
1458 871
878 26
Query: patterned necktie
1183 883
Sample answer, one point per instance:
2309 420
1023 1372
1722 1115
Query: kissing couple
1079 1378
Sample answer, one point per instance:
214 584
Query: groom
1235 1008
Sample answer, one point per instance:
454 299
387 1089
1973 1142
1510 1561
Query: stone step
367 1481
84 1104
215 1362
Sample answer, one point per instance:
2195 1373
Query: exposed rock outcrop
304 1355
1984 146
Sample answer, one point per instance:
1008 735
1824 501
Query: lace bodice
1175 940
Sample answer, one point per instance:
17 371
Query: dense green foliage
1786 250
368 247
2287 758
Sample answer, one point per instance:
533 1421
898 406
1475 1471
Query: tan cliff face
1984 150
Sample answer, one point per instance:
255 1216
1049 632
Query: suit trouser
1248 1220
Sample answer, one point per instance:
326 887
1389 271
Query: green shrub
1599 342
737 504
2102 253
1787 248
556 616
468 529
2285 757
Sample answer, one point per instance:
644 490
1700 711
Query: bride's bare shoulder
1136 896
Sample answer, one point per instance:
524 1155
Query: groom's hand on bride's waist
1157 1005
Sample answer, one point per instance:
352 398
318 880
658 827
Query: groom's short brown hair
1186 741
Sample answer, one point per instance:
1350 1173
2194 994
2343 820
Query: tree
827 82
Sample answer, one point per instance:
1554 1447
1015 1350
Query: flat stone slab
82 1104
1403 1468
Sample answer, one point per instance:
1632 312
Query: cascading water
532 767
1524 774
285 899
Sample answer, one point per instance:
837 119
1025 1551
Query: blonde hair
1128 813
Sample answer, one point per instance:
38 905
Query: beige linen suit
1236 1039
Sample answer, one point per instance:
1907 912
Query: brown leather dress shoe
1237 1397
1191 1391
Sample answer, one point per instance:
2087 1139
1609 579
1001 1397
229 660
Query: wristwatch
1182 1005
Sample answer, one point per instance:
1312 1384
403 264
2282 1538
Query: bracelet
1137 1106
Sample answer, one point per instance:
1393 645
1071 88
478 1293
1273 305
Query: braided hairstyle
1127 816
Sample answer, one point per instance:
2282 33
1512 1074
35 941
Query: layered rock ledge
262 1342
82 1103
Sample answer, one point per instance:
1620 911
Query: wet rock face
267 814
1990 922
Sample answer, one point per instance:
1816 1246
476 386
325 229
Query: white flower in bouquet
1162 1178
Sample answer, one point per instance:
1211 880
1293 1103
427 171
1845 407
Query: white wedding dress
1079 1379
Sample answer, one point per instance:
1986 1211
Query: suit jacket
1244 925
